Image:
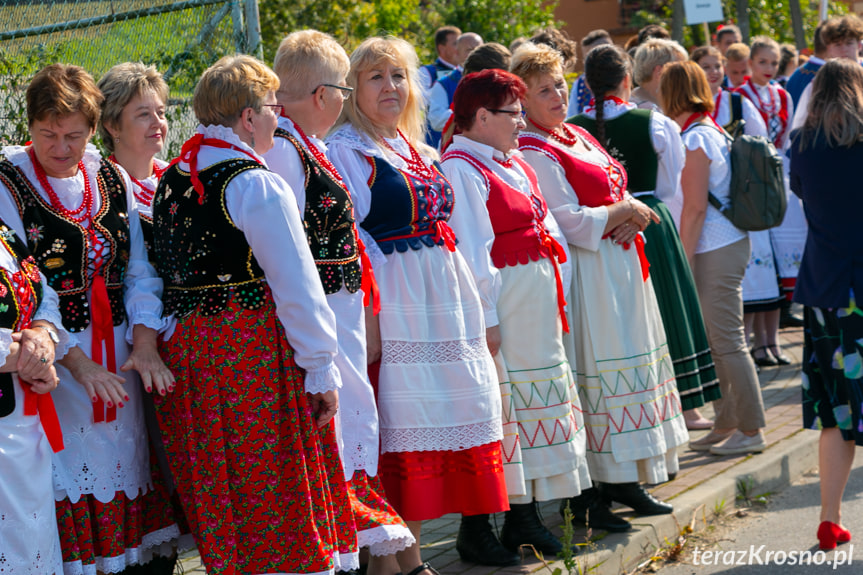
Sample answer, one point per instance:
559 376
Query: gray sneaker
740 443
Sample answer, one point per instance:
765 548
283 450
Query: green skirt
681 312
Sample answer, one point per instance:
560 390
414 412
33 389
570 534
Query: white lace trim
356 454
42 553
346 561
5 342
347 135
433 352
102 477
131 556
386 539
458 438
323 379
227 134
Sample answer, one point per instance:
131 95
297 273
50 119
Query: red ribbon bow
442 231
102 322
557 255
369 284
43 405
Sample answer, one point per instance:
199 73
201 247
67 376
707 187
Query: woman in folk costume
249 430
509 241
133 128
79 217
312 67
648 145
780 249
29 428
437 392
617 343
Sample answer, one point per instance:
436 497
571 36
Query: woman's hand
36 355
145 359
625 233
642 214
324 406
44 385
373 337
492 338
98 381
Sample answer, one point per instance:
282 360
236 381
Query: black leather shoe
477 543
589 510
635 496
788 319
523 526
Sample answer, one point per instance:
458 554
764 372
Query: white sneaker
709 440
740 443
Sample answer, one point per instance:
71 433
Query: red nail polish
126 397
110 404
120 404
95 399
162 392
149 389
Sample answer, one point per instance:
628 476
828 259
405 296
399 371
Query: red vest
595 185
520 234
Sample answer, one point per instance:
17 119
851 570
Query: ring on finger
43 359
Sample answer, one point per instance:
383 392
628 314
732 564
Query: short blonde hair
119 85
397 52
60 90
685 89
533 60
231 85
305 60
656 52
737 52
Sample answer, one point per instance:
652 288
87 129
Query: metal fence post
239 27
253 30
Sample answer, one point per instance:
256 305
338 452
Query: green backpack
757 192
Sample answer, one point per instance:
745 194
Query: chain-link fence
180 37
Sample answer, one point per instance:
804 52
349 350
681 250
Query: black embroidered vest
60 246
11 315
329 221
200 254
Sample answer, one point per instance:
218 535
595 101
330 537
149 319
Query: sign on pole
698 11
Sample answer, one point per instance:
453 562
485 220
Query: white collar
289 125
226 134
482 150
611 109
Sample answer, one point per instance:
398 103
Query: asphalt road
774 541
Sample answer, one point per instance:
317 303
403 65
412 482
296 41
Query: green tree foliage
351 21
768 17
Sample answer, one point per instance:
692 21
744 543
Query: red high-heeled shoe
829 534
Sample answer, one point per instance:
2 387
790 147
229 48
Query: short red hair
489 89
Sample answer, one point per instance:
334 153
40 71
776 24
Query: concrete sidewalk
705 482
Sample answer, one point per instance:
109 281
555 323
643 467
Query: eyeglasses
512 113
344 91
278 109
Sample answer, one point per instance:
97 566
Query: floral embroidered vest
405 210
60 246
20 297
200 254
329 221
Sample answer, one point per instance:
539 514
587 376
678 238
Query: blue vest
801 78
404 209
450 83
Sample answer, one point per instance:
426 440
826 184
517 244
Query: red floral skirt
115 534
424 485
262 487
379 527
